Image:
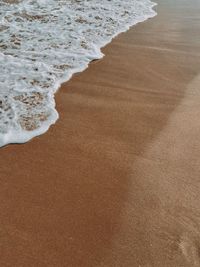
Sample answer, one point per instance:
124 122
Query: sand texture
116 181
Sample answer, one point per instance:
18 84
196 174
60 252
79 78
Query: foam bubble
42 44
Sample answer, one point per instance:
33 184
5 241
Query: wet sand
116 181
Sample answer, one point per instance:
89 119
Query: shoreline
116 181
16 134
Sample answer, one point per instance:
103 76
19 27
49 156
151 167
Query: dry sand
116 182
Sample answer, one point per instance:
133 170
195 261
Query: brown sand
116 182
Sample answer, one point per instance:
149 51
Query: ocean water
42 44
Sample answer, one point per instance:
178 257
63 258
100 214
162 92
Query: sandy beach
115 182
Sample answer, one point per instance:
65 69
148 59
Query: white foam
42 44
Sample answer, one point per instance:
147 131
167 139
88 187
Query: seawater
42 44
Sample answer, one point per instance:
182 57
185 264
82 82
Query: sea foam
42 44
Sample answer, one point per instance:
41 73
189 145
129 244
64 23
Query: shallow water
42 44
